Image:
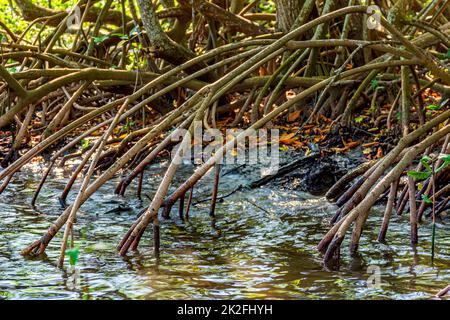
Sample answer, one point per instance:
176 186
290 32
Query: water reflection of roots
78 100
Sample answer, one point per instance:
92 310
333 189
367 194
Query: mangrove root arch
127 92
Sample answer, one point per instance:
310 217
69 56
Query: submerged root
121 121
372 189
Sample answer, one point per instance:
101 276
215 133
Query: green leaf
85 144
73 255
409 16
426 199
433 107
121 36
425 162
425 159
442 166
12 69
2 37
419 175
374 84
100 39
448 53
135 30
444 157
359 119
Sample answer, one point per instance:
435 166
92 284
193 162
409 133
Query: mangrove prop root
71 97
443 292
188 205
388 211
181 208
361 211
336 189
215 190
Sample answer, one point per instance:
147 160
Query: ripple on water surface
263 246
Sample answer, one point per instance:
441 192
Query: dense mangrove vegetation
103 99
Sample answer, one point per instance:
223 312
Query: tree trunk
287 12
162 45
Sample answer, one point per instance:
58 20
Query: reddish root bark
333 249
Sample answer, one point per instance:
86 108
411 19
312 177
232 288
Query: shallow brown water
264 254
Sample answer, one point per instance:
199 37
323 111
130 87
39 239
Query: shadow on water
262 246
